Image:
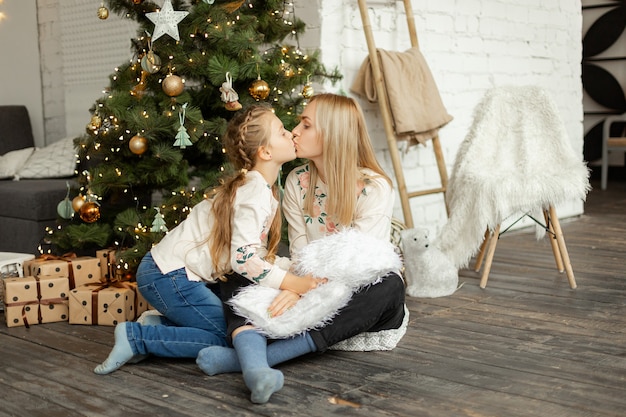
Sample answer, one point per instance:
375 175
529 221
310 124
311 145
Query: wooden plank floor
527 345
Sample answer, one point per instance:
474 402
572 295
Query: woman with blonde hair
350 187
341 186
231 238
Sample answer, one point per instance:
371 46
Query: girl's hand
314 282
301 285
283 302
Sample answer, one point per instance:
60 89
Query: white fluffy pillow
349 259
11 162
57 160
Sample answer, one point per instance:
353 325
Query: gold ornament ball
96 121
287 69
138 145
307 91
137 1
259 90
173 85
95 124
151 62
78 202
103 12
90 212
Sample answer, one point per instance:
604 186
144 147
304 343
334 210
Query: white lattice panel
93 48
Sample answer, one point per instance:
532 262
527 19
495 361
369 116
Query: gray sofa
29 205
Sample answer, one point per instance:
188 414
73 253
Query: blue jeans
193 314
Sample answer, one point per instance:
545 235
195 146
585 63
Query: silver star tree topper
166 21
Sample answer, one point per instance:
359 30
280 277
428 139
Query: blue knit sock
120 354
152 320
262 380
215 360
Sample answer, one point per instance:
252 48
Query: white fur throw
516 158
428 271
349 259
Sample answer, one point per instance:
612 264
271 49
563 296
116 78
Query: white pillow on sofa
13 161
57 160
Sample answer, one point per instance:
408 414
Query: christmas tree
152 148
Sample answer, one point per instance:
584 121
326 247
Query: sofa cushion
57 160
32 199
11 162
22 236
15 129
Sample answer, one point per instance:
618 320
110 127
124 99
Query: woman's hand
283 302
301 285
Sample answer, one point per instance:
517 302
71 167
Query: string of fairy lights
147 63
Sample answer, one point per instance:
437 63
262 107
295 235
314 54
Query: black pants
227 290
374 308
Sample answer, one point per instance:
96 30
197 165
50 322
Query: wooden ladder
387 118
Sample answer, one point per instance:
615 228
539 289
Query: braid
240 142
245 133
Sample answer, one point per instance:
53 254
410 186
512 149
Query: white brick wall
470 46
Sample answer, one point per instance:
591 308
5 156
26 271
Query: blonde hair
347 149
246 132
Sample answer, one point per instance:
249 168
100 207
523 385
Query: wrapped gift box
103 304
46 267
110 270
33 300
86 270
11 266
80 270
107 262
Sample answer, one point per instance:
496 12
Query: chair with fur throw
515 159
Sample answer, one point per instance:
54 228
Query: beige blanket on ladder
416 108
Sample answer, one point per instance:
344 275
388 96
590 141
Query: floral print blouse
373 212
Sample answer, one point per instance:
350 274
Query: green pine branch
249 39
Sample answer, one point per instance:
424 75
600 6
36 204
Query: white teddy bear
428 271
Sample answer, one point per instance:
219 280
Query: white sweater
187 245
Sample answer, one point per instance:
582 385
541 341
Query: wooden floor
527 345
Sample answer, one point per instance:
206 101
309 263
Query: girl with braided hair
230 239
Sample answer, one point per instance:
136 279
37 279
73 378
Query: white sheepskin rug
349 259
516 158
